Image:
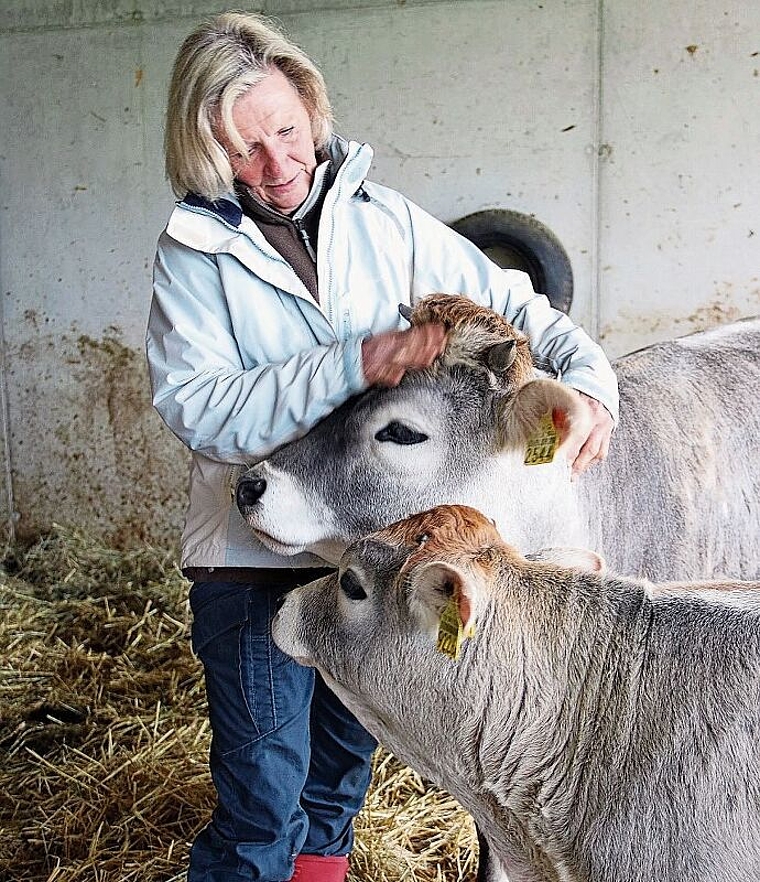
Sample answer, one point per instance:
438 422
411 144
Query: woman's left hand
597 444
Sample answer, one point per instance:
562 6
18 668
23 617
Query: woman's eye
398 433
243 157
240 158
351 586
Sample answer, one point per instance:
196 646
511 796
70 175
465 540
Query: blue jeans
291 766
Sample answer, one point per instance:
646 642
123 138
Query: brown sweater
295 240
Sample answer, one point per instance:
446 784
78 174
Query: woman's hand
388 356
597 445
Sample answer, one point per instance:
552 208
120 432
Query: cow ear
572 558
405 311
501 356
524 414
437 584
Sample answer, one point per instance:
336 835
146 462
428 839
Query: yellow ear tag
451 634
543 445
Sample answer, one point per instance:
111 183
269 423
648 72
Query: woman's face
275 125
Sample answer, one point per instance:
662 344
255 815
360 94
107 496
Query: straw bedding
104 737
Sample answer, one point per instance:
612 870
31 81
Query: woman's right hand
388 356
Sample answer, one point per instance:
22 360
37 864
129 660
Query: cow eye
351 586
398 433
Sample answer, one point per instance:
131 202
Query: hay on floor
104 737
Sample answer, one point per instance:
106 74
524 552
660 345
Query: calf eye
398 433
351 586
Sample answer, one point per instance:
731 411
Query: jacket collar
226 208
338 150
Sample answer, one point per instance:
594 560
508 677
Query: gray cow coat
598 729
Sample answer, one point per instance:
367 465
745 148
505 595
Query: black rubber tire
519 241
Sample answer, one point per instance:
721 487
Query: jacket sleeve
445 262
205 393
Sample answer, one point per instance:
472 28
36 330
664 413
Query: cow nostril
249 491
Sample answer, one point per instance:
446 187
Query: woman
276 291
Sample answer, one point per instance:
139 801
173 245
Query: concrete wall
631 132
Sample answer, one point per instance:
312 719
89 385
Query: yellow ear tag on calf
543 445
451 634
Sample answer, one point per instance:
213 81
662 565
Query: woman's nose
275 160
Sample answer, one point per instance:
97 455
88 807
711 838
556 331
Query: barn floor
104 739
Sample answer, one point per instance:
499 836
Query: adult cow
678 496
596 728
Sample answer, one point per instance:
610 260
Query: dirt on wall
86 446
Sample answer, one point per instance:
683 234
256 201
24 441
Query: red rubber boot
320 868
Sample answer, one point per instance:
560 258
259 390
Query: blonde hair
215 65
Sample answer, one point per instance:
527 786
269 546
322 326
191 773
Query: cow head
379 615
373 630
453 433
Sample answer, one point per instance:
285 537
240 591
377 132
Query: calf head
453 433
385 603
374 629
371 631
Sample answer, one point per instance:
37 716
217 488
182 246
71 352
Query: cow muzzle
283 515
248 492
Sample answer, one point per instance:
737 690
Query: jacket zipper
306 239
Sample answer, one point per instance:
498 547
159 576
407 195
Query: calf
597 728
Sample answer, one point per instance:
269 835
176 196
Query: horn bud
405 311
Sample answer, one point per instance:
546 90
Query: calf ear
571 558
435 585
522 415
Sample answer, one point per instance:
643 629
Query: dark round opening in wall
518 241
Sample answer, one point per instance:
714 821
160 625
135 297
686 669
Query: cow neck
293 236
